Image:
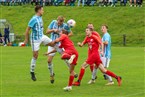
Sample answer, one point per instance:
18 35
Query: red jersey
93 53
97 34
66 43
93 43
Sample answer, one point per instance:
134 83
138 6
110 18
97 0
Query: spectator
139 3
1 38
66 2
123 2
81 1
132 1
72 2
6 36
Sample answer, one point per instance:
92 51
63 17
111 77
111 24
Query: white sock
109 78
66 61
94 73
33 64
50 67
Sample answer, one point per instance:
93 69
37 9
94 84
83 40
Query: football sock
33 64
91 68
71 78
109 78
82 71
94 73
111 74
50 67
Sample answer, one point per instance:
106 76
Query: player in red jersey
70 53
94 77
93 57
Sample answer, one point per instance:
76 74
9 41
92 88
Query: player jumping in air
93 57
37 37
70 53
54 29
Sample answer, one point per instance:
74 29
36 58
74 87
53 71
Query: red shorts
67 54
94 59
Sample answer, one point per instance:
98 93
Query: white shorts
36 43
56 47
105 61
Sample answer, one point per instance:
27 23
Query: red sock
71 78
111 74
82 71
91 68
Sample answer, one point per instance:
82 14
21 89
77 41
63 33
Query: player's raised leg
104 70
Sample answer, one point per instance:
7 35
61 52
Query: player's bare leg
50 67
104 70
71 78
33 64
75 74
82 72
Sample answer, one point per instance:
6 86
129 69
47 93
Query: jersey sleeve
96 38
85 40
32 23
106 38
51 24
67 28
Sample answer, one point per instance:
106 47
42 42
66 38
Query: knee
49 60
35 55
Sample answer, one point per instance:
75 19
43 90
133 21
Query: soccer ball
71 23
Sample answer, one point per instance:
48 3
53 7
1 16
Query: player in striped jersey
54 29
37 37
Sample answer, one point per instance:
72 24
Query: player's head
104 28
88 31
39 10
64 32
60 20
90 25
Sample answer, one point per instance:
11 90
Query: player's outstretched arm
80 44
27 35
70 34
50 52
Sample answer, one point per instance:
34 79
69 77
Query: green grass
15 78
121 20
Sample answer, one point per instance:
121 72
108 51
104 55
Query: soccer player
37 37
93 57
54 29
70 53
91 26
105 53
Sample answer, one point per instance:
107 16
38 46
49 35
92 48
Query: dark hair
89 29
64 31
38 7
105 25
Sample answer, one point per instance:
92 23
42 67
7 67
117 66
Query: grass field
15 79
121 20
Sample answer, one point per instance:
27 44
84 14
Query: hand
46 54
56 30
79 44
25 41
